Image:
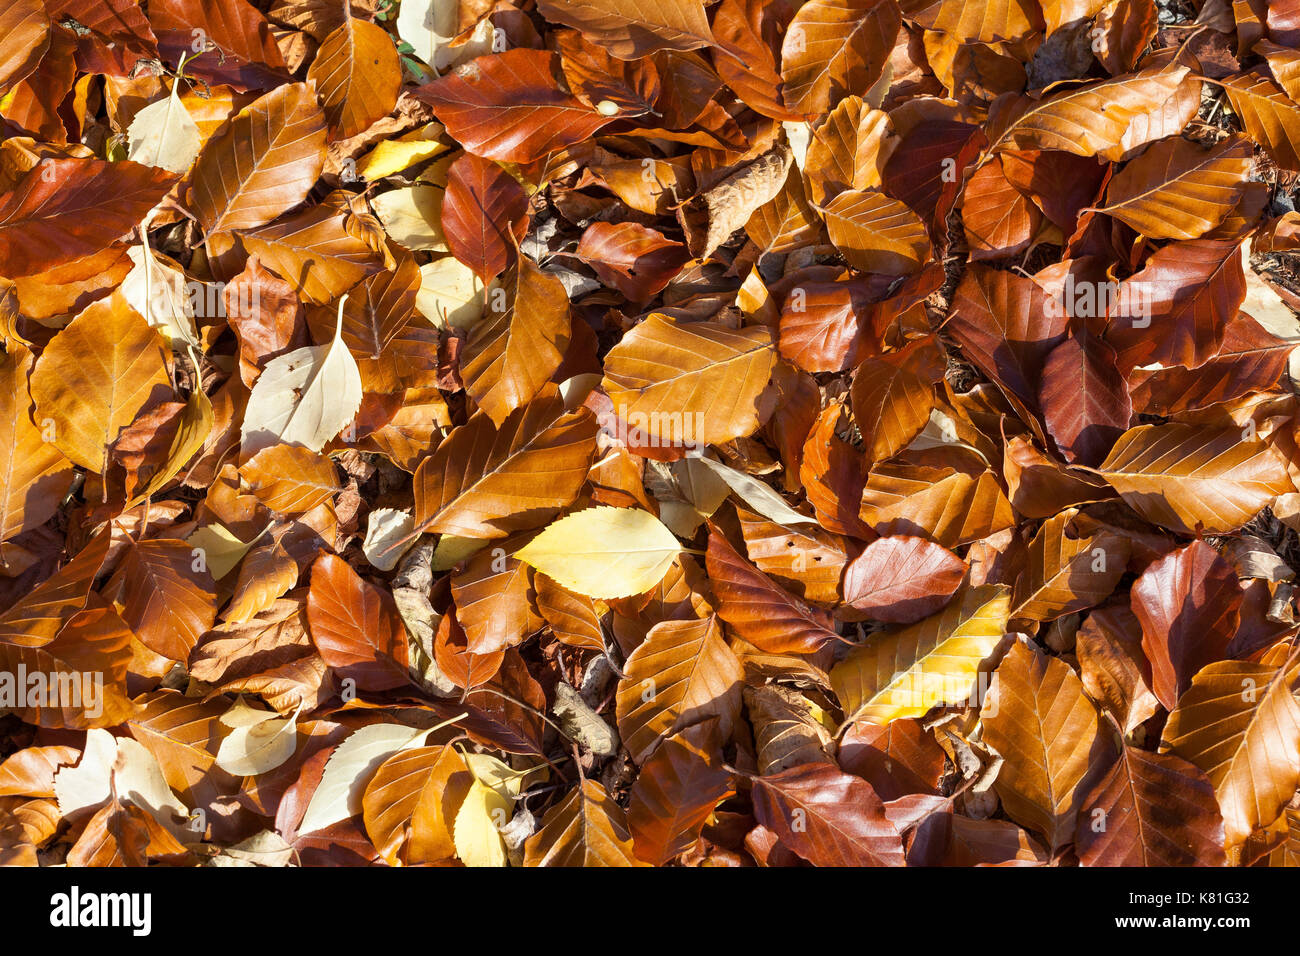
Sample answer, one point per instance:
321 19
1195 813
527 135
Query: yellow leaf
450 294
413 217
477 832
453 549
221 549
905 672
604 552
259 743
500 776
95 377
394 155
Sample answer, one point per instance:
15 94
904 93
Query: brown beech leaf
636 261
263 162
675 793
575 618
1036 716
511 353
1189 605
1059 183
683 673
689 382
1192 478
785 223
494 599
355 626
1040 486
1006 328
510 107
631 29
927 165
376 312
828 817
823 327
358 75
483 206
833 475
1176 190
587 829
119 31
1250 359
1068 571
87 405
711 218
595 76
317 18
1283 63
758 609
1189 290
182 735
64 209
897 758
122 834
947 506
250 57
787 731
1085 403
322 251
901 579
998 218
37 618
34 472
893 396
1239 722
411 801
460 665
750 31
484 481
1150 810
30 772
269 654
805 558
25 28
1087 121
1269 116
999 20
876 233
168 602
848 150
836 47
991 843
95 643
291 479
32 105
1113 667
